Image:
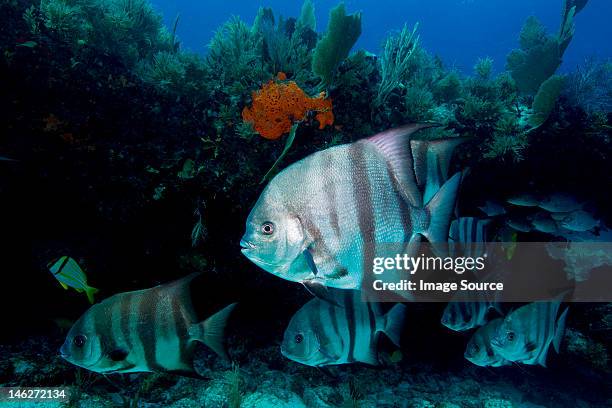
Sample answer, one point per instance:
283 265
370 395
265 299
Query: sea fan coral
278 105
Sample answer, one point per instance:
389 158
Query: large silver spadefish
321 220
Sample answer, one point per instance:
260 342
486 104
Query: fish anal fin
64 285
211 331
542 358
560 330
393 323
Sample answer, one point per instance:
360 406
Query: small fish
28 44
150 330
2 158
479 350
69 274
519 224
527 333
579 221
543 223
523 200
558 216
492 208
560 202
321 219
322 334
462 316
468 236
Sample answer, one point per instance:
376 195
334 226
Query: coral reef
342 33
144 159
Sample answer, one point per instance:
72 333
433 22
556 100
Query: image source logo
528 272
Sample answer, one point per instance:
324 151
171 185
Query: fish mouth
246 245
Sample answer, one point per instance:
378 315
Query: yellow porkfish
69 274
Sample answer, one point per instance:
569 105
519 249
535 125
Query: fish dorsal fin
182 283
394 146
180 287
212 330
431 163
560 330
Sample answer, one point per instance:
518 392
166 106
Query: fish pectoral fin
211 331
310 261
64 285
530 346
320 291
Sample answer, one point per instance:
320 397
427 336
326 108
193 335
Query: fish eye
267 228
299 338
510 336
79 340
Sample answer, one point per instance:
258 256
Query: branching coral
342 33
590 86
545 99
278 105
536 60
396 61
283 45
233 52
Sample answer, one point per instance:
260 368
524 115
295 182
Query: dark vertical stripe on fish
402 204
363 198
181 331
330 195
103 328
349 314
147 312
124 322
64 262
334 323
372 320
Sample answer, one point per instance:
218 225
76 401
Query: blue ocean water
459 31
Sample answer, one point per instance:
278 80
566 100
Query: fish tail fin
90 292
211 331
560 330
440 209
394 322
